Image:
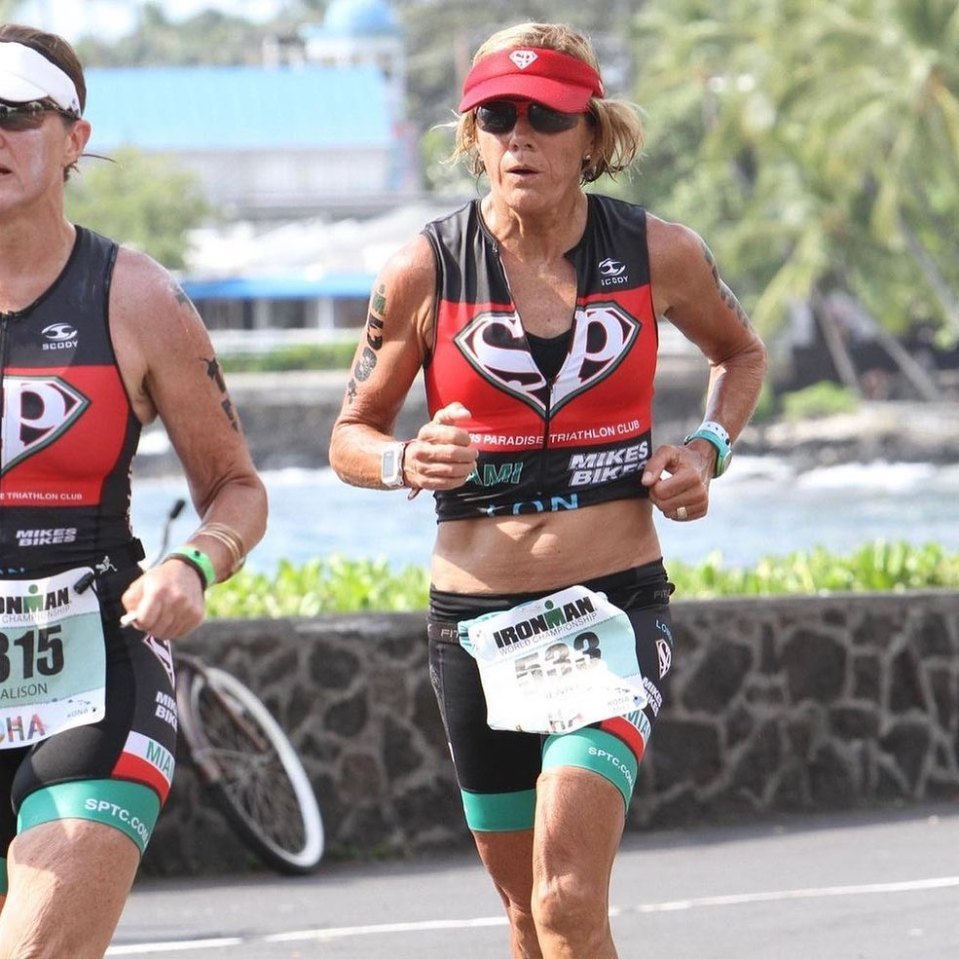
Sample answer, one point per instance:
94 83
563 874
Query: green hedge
338 585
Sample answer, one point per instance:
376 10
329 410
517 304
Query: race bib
52 658
556 664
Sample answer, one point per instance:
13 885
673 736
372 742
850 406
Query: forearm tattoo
214 372
366 362
727 295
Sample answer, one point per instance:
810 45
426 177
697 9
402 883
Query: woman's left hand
678 481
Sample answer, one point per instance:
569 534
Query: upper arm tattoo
727 295
214 372
366 362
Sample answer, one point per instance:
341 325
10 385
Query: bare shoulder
674 248
143 288
683 270
153 325
149 310
410 272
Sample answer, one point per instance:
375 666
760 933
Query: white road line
144 949
675 905
815 892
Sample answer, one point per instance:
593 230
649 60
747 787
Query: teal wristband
198 560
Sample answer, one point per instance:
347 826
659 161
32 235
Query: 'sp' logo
523 58
37 409
495 346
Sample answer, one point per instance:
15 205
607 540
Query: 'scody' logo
495 345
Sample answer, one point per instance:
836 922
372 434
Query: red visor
554 79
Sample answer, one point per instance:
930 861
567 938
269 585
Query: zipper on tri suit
543 467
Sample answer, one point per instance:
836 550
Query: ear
78 133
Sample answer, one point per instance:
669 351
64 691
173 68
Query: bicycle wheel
252 770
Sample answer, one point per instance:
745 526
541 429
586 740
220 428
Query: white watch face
391 465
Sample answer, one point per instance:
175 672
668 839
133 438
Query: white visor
27 75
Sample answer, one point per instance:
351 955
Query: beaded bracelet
198 560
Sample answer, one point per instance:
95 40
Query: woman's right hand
442 455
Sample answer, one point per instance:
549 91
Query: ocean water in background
762 507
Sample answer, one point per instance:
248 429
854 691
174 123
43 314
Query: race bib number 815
52 658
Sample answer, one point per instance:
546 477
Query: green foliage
335 585
880 566
304 356
143 202
824 398
339 585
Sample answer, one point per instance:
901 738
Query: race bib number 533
52 658
556 664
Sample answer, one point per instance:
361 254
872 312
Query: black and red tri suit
69 431
580 438
68 435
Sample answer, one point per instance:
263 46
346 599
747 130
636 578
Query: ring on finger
681 512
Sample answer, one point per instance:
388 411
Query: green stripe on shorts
130 807
598 751
499 812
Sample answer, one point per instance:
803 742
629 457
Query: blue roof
292 287
240 108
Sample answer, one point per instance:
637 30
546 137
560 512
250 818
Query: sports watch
391 466
716 434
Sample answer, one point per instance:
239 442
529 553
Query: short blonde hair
619 130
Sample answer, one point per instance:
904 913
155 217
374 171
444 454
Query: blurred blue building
319 128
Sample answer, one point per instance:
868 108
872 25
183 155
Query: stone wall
777 705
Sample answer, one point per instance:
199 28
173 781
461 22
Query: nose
522 128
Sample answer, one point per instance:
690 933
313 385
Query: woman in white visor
95 341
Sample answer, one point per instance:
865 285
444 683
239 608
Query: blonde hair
618 128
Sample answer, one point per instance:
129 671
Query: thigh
10 760
72 878
496 769
131 751
580 819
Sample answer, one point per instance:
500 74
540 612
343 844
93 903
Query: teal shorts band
3 877
499 812
598 751
130 807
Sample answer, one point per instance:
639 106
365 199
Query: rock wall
776 705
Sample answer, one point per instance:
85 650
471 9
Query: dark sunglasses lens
20 117
544 120
496 117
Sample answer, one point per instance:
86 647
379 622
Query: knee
568 909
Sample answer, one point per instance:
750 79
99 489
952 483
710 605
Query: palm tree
823 146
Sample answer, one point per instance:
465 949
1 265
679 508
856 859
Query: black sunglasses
24 116
499 116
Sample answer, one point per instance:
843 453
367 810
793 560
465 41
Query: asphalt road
856 886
